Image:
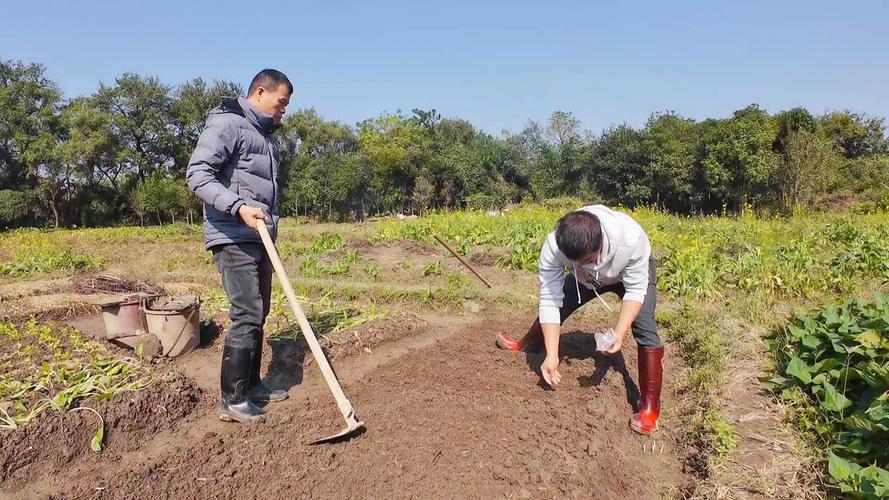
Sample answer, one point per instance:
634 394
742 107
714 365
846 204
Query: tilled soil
47 447
447 414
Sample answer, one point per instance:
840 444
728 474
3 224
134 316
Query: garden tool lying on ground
461 259
353 425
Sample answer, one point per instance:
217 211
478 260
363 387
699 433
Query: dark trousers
247 280
644 327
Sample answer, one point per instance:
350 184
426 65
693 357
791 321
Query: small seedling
433 269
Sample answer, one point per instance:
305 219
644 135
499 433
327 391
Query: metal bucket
175 321
124 318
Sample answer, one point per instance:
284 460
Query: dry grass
771 460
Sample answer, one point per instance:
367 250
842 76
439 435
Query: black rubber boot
234 380
259 392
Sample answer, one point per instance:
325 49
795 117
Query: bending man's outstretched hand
550 371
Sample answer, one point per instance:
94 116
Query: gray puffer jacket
235 163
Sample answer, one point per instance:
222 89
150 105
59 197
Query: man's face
589 258
273 102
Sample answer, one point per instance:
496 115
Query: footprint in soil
577 345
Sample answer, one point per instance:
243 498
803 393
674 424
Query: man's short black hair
269 79
579 234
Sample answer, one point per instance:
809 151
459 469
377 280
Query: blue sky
496 64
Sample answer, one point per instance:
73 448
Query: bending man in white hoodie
604 251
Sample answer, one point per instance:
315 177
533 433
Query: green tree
323 172
349 186
142 122
616 166
459 162
395 149
867 174
84 156
811 168
513 161
669 147
739 163
29 127
551 155
161 196
426 119
792 121
16 206
191 102
563 128
857 134
424 193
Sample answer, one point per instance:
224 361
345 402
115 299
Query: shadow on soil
579 345
286 366
210 333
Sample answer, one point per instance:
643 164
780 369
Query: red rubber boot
651 374
531 342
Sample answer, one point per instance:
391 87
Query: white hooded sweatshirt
624 258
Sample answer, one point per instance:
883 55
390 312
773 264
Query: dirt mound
290 356
358 243
485 258
455 417
50 307
19 289
417 248
183 288
363 339
64 299
87 284
53 442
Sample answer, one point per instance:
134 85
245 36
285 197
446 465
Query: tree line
119 156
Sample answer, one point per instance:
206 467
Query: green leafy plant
98 439
458 281
326 242
522 256
838 359
725 439
338 268
328 317
54 369
47 258
351 257
310 267
700 344
372 269
433 269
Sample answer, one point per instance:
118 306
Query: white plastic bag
605 340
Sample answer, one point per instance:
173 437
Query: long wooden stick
461 259
343 403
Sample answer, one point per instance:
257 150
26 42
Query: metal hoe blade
353 428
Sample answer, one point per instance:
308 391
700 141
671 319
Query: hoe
353 426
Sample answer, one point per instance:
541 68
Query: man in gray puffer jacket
234 170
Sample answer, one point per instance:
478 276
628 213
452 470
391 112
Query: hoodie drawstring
595 288
576 280
596 291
